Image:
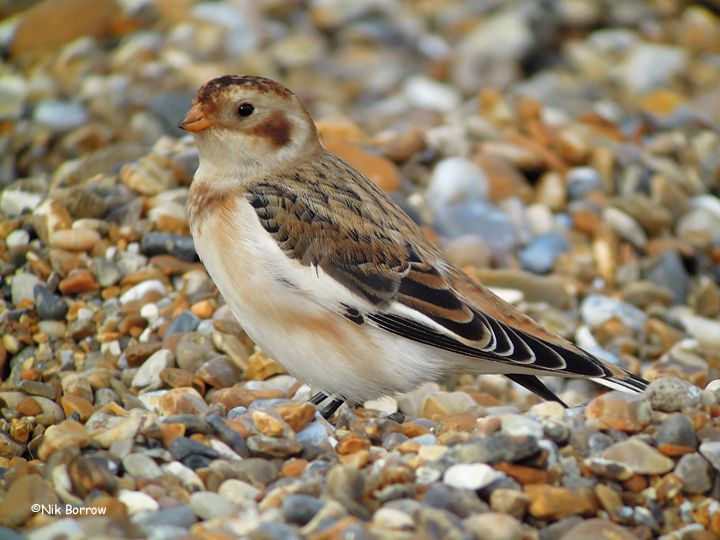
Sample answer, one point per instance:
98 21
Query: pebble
493 448
208 505
22 288
670 394
598 528
137 502
540 254
74 239
581 181
470 476
148 375
139 291
241 493
59 115
13 202
694 472
185 322
16 507
581 196
168 244
678 431
300 509
141 466
639 456
17 238
596 310
48 305
455 180
495 526
620 410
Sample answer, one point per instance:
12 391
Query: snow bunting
330 277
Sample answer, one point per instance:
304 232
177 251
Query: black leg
318 398
330 409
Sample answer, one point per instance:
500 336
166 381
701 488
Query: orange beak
195 120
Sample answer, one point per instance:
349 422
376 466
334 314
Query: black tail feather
535 385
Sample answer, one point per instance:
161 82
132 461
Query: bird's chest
242 259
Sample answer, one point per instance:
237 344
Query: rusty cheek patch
276 129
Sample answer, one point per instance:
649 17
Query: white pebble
393 519
150 312
17 238
137 501
471 475
141 289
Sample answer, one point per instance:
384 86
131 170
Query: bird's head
245 125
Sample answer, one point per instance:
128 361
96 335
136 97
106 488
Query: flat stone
620 410
639 456
598 528
137 502
495 526
493 448
66 434
148 374
208 505
509 501
74 239
141 466
596 309
556 502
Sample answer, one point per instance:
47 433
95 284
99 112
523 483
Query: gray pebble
275 531
209 505
493 448
694 472
711 451
48 305
178 516
157 243
678 430
581 181
60 115
300 509
106 271
540 254
671 394
668 271
141 466
461 502
185 322
192 453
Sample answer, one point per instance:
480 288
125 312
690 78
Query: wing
401 283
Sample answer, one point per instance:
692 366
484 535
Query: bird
330 277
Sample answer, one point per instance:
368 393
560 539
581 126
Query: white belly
287 309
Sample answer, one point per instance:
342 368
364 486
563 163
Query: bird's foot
318 398
329 409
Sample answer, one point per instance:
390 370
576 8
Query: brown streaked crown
260 84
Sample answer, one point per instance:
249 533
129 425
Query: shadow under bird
331 278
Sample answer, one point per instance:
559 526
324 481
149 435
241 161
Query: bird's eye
245 109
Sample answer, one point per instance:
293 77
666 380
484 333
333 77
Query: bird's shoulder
325 213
